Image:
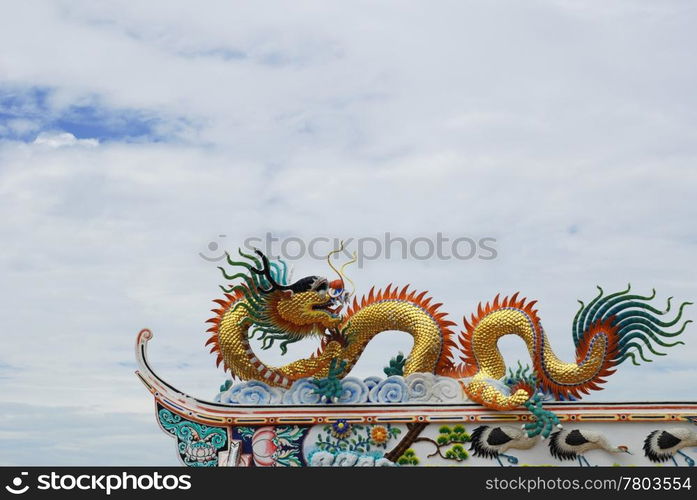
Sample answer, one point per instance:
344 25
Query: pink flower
264 447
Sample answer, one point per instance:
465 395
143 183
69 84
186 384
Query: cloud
61 139
562 130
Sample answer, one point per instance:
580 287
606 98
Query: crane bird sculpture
494 441
262 302
572 445
661 446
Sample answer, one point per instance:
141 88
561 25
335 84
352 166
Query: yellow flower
379 434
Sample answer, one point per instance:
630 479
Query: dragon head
307 305
283 311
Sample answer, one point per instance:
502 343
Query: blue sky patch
26 112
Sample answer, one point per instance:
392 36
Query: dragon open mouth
330 307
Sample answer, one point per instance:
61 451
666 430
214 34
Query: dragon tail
629 324
632 323
607 331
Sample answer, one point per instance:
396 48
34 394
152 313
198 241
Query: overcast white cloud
133 134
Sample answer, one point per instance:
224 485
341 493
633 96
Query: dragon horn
266 272
354 258
329 261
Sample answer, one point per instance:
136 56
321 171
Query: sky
137 136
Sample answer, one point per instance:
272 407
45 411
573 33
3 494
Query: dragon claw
335 335
545 420
396 366
329 388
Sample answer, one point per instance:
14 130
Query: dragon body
607 331
388 310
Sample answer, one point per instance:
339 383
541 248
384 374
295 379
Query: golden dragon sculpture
607 331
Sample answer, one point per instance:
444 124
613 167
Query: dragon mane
259 281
